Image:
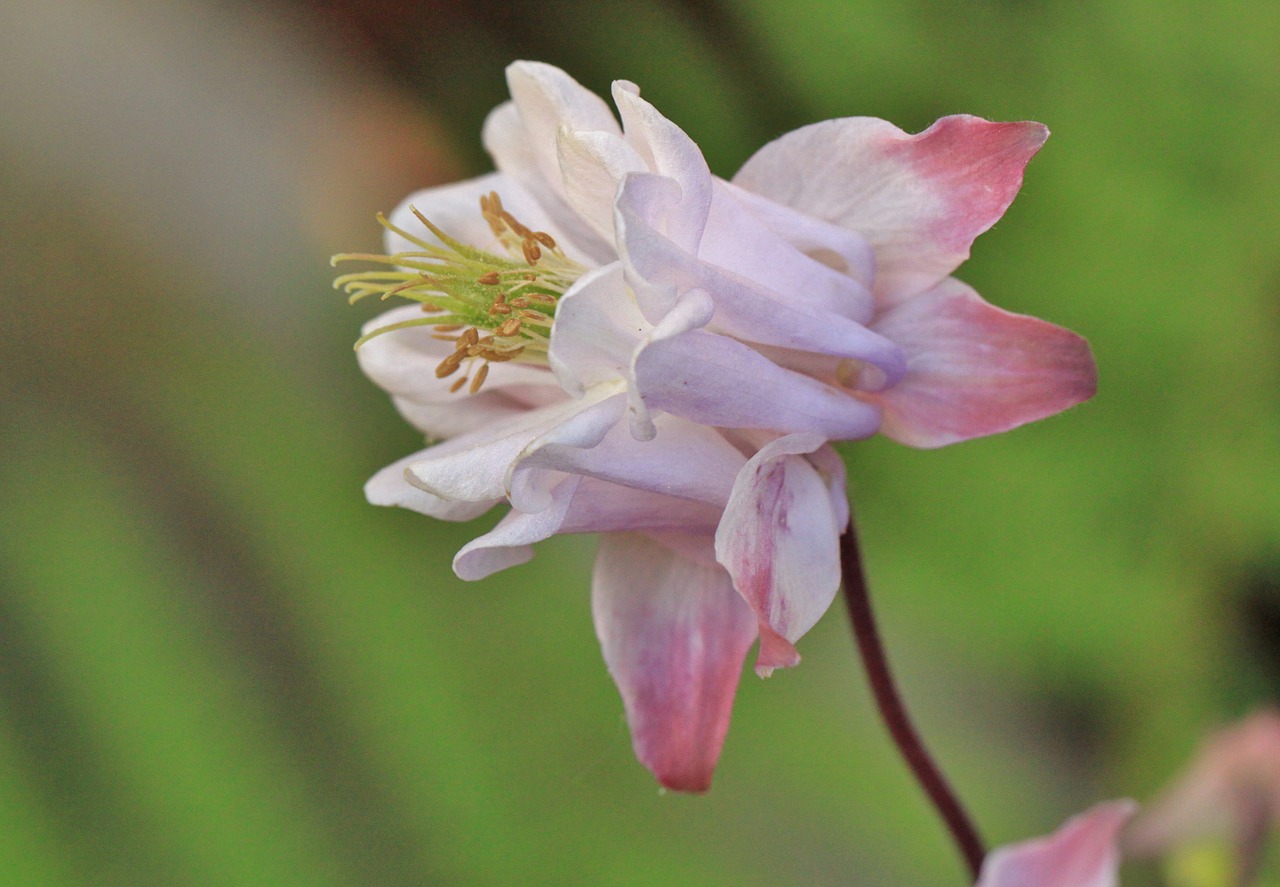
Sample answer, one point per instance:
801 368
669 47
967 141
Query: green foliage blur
219 666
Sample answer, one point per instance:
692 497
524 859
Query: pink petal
920 199
1082 853
779 540
717 381
669 152
658 270
674 636
974 369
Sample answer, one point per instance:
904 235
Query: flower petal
920 199
474 467
659 271
1082 853
779 540
596 331
974 369
717 381
684 459
582 505
390 487
738 241
593 164
674 636
668 151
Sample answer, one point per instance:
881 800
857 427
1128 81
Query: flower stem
894 712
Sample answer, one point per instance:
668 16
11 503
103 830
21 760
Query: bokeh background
219 666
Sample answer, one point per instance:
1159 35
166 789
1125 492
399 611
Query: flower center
492 308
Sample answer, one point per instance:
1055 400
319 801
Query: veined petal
674 636
668 151
739 242
779 540
659 271
404 362
920 199
1083 853
974 369
714 380
390 487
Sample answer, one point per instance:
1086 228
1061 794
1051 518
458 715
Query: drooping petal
1083 853
404 362
974 369
669 152
715 380
920 199
674 636
779 540
390 487
510 543
659 271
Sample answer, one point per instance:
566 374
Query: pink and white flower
662 356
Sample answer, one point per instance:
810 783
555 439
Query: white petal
390 487
669 152
592 165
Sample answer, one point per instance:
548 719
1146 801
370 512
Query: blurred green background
219 666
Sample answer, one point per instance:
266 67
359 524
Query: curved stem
926 772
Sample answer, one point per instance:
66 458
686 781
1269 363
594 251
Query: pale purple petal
390 487
669 152
658 271
920 199
779 540
674 636
597 329
839 248
583 505
739 242
974 369
472 412
717 381
684 459
1083 853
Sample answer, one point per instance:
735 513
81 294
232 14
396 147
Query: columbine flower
613 340
1083 853
1230 794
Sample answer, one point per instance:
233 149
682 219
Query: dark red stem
926 772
